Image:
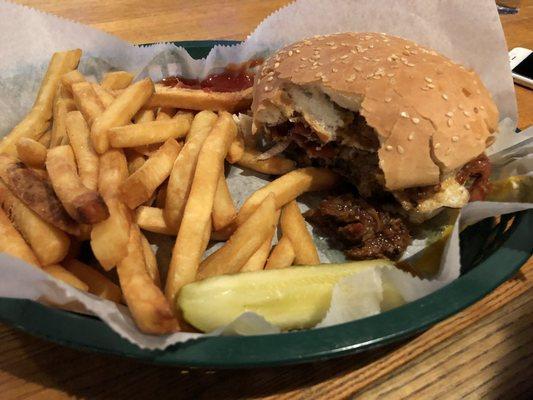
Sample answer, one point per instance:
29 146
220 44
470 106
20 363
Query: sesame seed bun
430 115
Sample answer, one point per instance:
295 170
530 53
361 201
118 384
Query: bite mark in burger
402 123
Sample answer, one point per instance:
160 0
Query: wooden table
484 351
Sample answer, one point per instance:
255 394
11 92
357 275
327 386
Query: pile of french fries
103 162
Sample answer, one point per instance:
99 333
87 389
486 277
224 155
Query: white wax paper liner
470 36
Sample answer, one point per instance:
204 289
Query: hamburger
403 124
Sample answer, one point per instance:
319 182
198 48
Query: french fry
59 129
246 240
196 220
12 243
181 176
105 96
109 238
58 272
116 80
193 99
257 261
224 211
83 205
87 101
236 149
97 283
31 152
165 113
135 161
275 165
282 256
144 115
120 112
293 226
148 149
45 138
151 219
288 187
150 261
48 243
148 132
161 196
86 158
36 192
36 122
70 78
146 302
140 186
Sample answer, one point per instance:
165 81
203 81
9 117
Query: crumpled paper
473 38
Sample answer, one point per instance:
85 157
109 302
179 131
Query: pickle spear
290 298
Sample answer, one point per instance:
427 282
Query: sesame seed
388 99
428 79
334 70
466 113
449 122
406 52
407 46
268 88
307 42
344 44
315 63
430 85
449 114
424 88
411 136
303 58
318 74
346 61
314 67
330 43
276 65
333 47
376 77
324 79
353 51
332 59
351 78
388 147
409 64
460 107
445 96
455 138
437 145
344 57
415 120
291 53
467 127
359 69
270 78
481 107
404 114
390 75
297 51
369 76
366 58
377 59
400 149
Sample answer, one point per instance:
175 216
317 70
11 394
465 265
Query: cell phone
521 61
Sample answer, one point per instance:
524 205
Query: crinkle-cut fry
70 78
236 149
105 96
58 272
151 219
45 138
135 160
148 306
116 80
282 255
150 261
86 158
83 205
141 185
36 122
293 226
97 283
120 112
59 129
165 113
193 99
87 101
109 238
48 243
246 240
181 176
288 187
224 211
276 165
34 190
257 261
144 115
31 152
196 220
148 132
12 242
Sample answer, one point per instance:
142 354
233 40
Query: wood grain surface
485 351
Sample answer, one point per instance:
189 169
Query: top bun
430 115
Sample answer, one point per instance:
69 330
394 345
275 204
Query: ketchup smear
233 79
